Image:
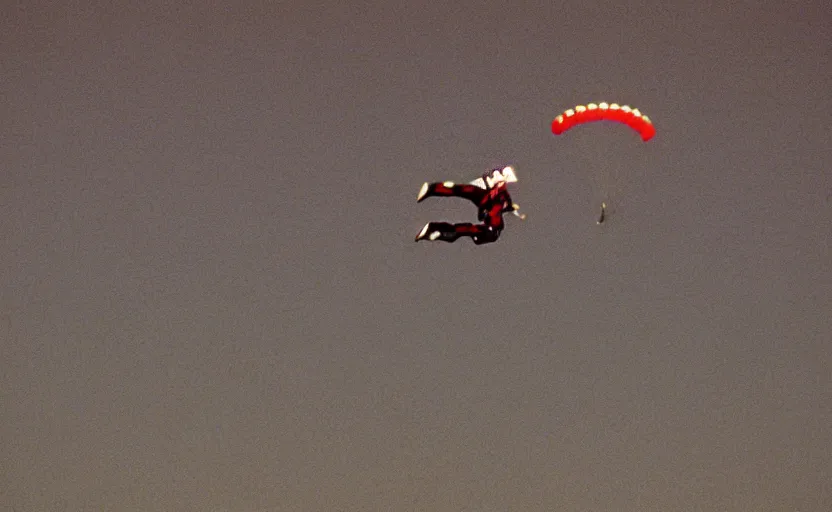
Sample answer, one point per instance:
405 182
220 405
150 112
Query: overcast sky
211 299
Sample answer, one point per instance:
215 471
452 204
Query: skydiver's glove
516 211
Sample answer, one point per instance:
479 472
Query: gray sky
212 301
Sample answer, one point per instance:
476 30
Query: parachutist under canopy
603 213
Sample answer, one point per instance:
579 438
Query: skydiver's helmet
496 176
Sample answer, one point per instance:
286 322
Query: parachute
605 112
610 176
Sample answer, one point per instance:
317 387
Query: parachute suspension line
602 177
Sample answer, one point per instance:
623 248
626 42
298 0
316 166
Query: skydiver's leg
493 224
447 232
603 213
449 189
486 234
493 217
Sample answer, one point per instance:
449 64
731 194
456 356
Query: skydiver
489 193
603 213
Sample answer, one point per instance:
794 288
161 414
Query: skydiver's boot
423 233
423 192
443 231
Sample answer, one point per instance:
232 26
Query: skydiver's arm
512 207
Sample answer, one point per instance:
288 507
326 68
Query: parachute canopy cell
605 112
